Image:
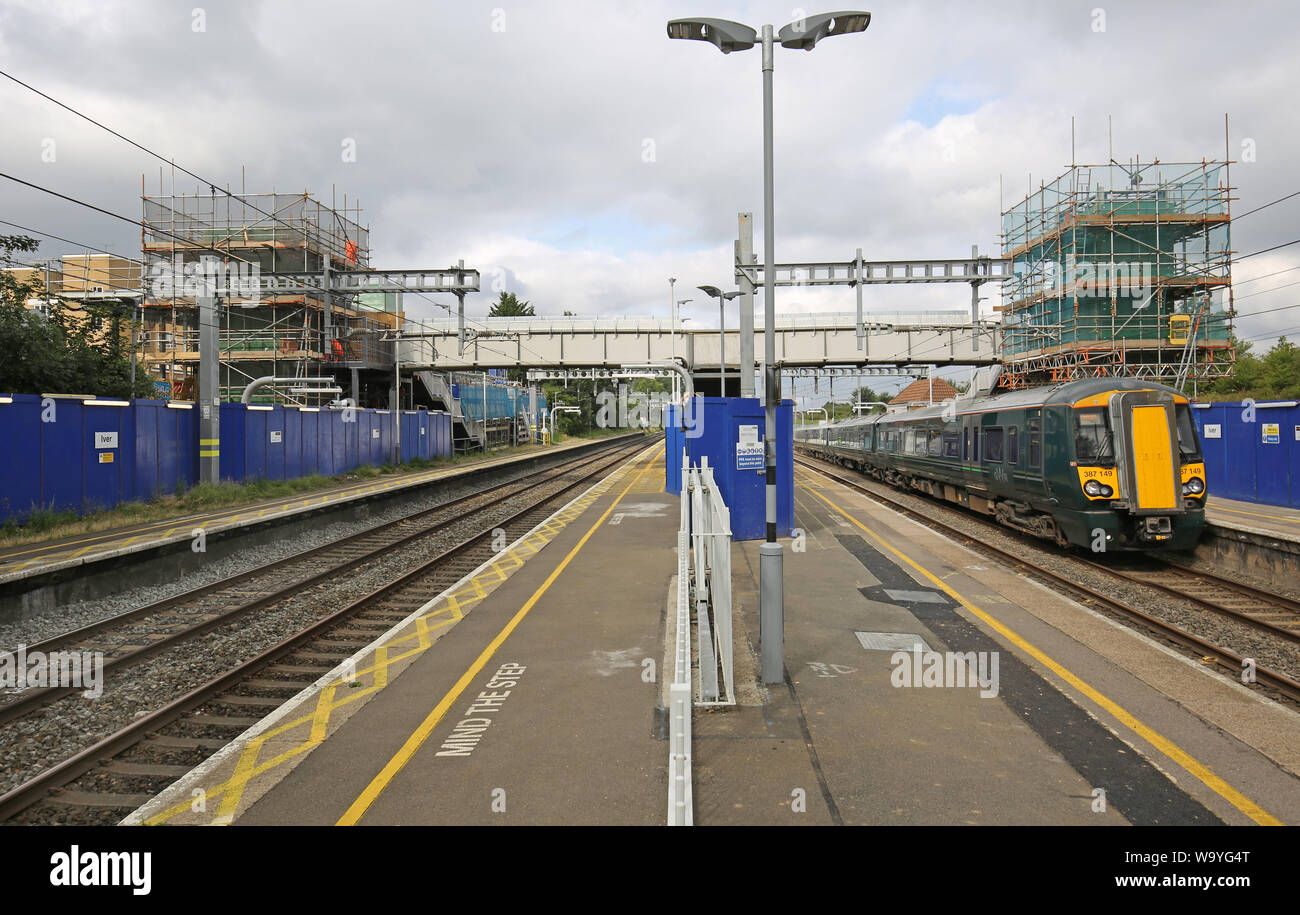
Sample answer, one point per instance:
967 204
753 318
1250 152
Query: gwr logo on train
1110 455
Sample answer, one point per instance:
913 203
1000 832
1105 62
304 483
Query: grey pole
397 398
746 258
460 317
722 346
857 274
974 303
672 317
771 614
536 431
209 393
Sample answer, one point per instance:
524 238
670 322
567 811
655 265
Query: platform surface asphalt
27 559
531 694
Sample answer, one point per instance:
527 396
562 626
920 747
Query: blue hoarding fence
1252 450
83 454
730 431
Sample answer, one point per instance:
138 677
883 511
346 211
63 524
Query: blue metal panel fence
79 454
1252 450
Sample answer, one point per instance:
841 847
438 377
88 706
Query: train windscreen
1092 436
1189 445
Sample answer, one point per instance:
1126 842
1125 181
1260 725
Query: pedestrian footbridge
808 340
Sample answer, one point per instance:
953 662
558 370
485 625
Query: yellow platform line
1197 769
413 743
455 606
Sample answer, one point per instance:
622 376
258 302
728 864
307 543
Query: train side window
951 445
1013 444
936 443
975 446
1034 428
993 445
965 444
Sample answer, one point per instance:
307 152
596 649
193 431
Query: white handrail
680 804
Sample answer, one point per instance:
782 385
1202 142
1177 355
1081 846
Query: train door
1033 450
1147 437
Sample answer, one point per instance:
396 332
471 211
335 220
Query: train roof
1064 392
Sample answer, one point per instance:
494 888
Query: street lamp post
672 317
723 298
727 36
677 316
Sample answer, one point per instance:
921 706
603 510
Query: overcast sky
577 157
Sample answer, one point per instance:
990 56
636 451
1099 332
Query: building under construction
268 258
246 247
1120 269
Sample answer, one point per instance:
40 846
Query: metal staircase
436 385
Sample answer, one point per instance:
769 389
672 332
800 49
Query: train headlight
1106 491
1195 486
1093 488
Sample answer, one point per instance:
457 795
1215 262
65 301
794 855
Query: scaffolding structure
233 243
1120 269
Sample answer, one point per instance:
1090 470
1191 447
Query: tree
508 306
1281 370
1275 376
57 351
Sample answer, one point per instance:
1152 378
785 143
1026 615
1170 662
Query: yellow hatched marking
420 638
1198 770
247 762
320 720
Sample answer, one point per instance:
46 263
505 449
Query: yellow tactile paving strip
248 767
38 558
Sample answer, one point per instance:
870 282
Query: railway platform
1257 540
534 692
1253 517
80 555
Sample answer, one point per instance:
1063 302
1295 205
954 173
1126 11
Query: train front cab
1143 487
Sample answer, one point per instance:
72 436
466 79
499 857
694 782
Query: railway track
1256 608
134 763
1272 613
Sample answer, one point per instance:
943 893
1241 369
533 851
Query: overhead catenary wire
1265 206
212 185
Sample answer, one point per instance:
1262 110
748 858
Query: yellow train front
1102 463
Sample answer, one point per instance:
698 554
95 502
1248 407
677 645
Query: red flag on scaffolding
350 249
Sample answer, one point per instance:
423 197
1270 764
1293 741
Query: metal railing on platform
680 804
710 532
704 586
